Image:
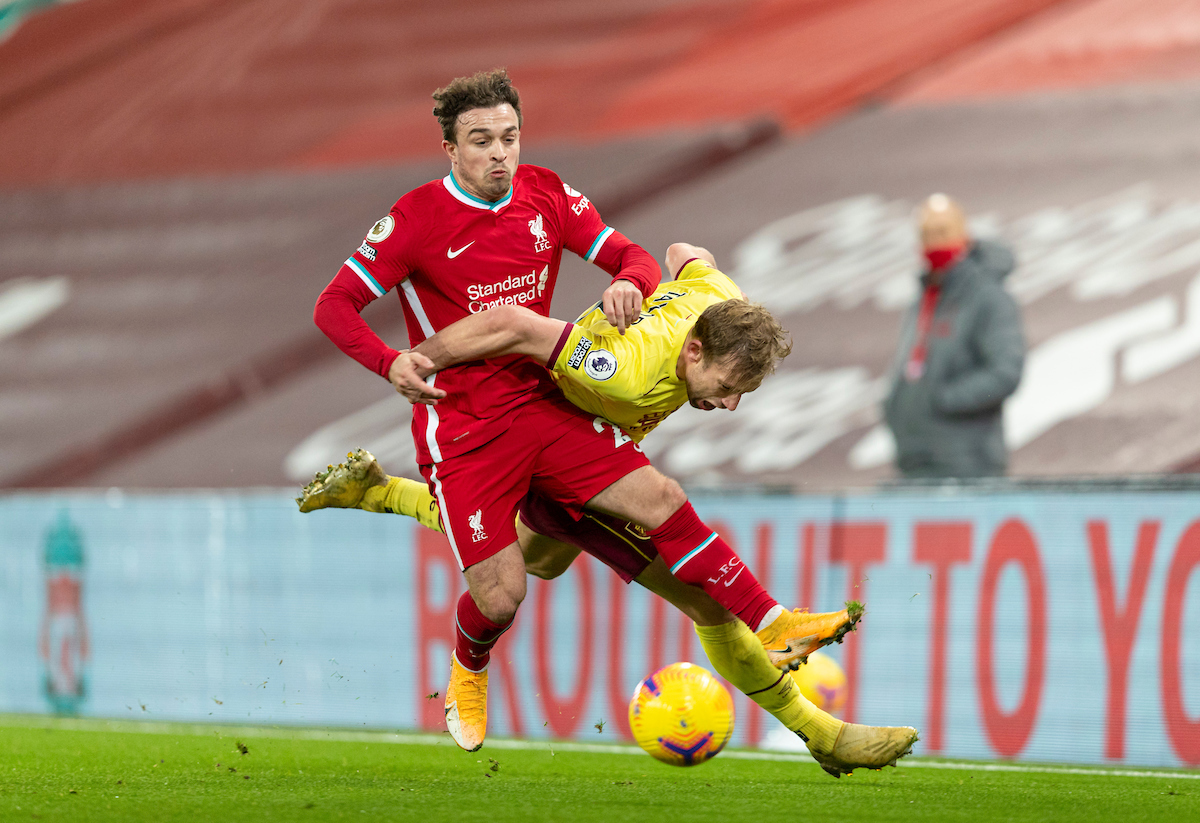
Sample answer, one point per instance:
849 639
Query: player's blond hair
483 90
748 334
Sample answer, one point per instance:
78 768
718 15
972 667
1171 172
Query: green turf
50 771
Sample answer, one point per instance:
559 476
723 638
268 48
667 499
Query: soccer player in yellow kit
676 352
634 379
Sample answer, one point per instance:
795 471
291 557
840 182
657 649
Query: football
823 682
681 715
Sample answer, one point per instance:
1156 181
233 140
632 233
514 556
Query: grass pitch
95 771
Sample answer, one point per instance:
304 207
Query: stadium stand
1075 46
119 89
197 170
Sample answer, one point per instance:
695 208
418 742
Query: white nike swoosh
453 725
729 582
453 254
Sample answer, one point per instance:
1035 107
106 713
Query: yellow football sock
403 496
740 658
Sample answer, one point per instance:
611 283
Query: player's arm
496 332
680 254
635 274
337 314
634 271
369 273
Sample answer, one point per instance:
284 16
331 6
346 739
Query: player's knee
673 495
501 605
669 498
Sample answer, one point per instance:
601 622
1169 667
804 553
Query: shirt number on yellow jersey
620 438
656 303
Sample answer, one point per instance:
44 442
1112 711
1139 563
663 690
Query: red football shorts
551 446
619 544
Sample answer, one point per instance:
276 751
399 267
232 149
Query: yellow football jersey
630 379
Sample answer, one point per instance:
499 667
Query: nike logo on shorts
453 254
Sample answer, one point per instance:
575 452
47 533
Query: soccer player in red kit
492 233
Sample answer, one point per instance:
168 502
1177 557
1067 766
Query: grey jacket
947 423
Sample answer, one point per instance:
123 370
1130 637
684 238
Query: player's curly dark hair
747 333
482 90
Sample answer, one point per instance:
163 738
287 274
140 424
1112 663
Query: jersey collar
463 196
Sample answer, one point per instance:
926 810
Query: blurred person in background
960 354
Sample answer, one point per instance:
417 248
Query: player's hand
408 372
622 304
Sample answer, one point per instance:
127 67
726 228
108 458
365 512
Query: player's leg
697 555
788 636
839 747
628 551
545 557
735 653
360 483
738 656
588 462
495 588
694 552
551 539
478 493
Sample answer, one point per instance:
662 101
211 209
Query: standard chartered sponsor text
512 290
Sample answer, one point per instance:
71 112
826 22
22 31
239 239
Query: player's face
711 385
488 148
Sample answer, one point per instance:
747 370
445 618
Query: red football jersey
452 254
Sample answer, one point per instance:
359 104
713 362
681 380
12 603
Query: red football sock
475 635
698 556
